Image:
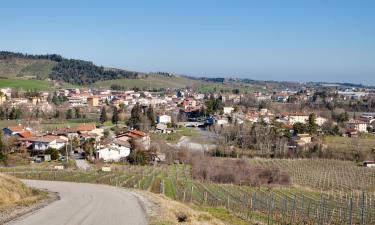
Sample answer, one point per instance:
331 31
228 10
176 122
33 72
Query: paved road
86 204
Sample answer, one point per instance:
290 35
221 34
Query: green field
26 84
150 82
32 84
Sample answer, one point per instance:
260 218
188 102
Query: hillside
13 192
55 67
32 71
25 68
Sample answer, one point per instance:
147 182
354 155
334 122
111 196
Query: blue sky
315 40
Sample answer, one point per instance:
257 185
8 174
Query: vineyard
324 174
324 191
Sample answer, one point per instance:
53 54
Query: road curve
85 204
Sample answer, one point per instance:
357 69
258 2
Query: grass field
364 144
151 81
174 137
32 84
26 84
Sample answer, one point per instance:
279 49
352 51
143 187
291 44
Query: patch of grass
174 137
39 85
222 214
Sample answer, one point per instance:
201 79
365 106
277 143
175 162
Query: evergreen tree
312 126
77 112
151 116
103 115
115 117
57 114
55 99
15 113
2 113
135 117
69 114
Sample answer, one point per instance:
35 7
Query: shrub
53 152
236 171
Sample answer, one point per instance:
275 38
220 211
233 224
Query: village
108 125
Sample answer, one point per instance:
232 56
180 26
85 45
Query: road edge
20 212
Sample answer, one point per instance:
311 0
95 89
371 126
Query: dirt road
86 204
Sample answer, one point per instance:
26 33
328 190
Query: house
370 164
138 137
357 125
222 121
293 118
93 101
119 148
302 139
163 128
6 91
35 100
320 120
49 141
17 131
228 110
89 128
164 119
189 103
2 98
281 97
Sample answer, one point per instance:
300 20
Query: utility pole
66 152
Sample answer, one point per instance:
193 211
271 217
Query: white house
49 141
113 153
222 121
320 120
228 110
357 126
293 118
164 119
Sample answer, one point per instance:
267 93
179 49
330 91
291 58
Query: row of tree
13 114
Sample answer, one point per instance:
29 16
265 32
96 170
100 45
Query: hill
55 67
32 71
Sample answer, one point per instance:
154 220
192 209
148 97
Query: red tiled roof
133 134
16 128
26 134
86 127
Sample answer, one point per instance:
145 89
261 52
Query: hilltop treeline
74 71
84 72
9 55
